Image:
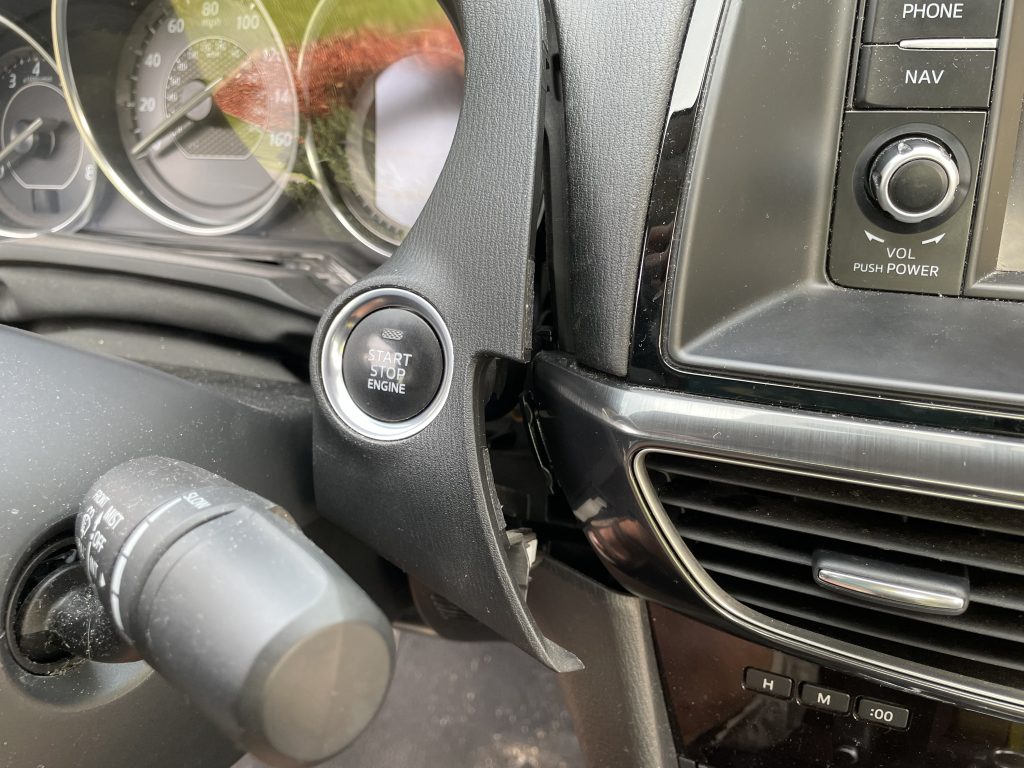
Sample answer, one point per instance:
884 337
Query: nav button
892 77
768 683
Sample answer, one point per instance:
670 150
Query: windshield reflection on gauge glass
47 177
382 86
208 113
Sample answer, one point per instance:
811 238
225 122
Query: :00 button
880 713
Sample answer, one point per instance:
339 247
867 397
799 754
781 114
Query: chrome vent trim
968 691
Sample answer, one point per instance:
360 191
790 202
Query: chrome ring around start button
332 359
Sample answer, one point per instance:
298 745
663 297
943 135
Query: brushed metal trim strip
891 593
999 700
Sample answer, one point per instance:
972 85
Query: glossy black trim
719 722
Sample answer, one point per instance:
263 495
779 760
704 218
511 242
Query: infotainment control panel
911 154
826 224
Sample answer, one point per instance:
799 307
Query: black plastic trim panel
619 61
68 417
427 502
618 703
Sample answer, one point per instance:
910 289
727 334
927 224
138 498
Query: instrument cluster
327 120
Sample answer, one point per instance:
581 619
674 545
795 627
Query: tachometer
383 94
47 177
193 114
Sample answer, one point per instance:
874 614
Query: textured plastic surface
68 417
34 294
427 502
230 602
617 702
619 61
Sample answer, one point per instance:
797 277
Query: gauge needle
13 144
174 118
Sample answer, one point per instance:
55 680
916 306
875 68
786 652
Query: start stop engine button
386 364
393 365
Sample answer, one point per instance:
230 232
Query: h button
768 683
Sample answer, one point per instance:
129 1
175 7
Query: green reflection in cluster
341 17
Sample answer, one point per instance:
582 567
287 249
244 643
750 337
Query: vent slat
995 590
740 540
996 552
988 588
754 530
979 620
935 508
978 649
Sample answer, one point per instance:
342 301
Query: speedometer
188 105
207 110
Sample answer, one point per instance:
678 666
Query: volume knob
914 179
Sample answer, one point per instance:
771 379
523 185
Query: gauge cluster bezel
149 40
370 226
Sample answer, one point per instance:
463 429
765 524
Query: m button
824 699
770 684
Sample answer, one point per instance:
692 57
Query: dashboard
679 344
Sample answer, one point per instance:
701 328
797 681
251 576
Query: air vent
755 531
